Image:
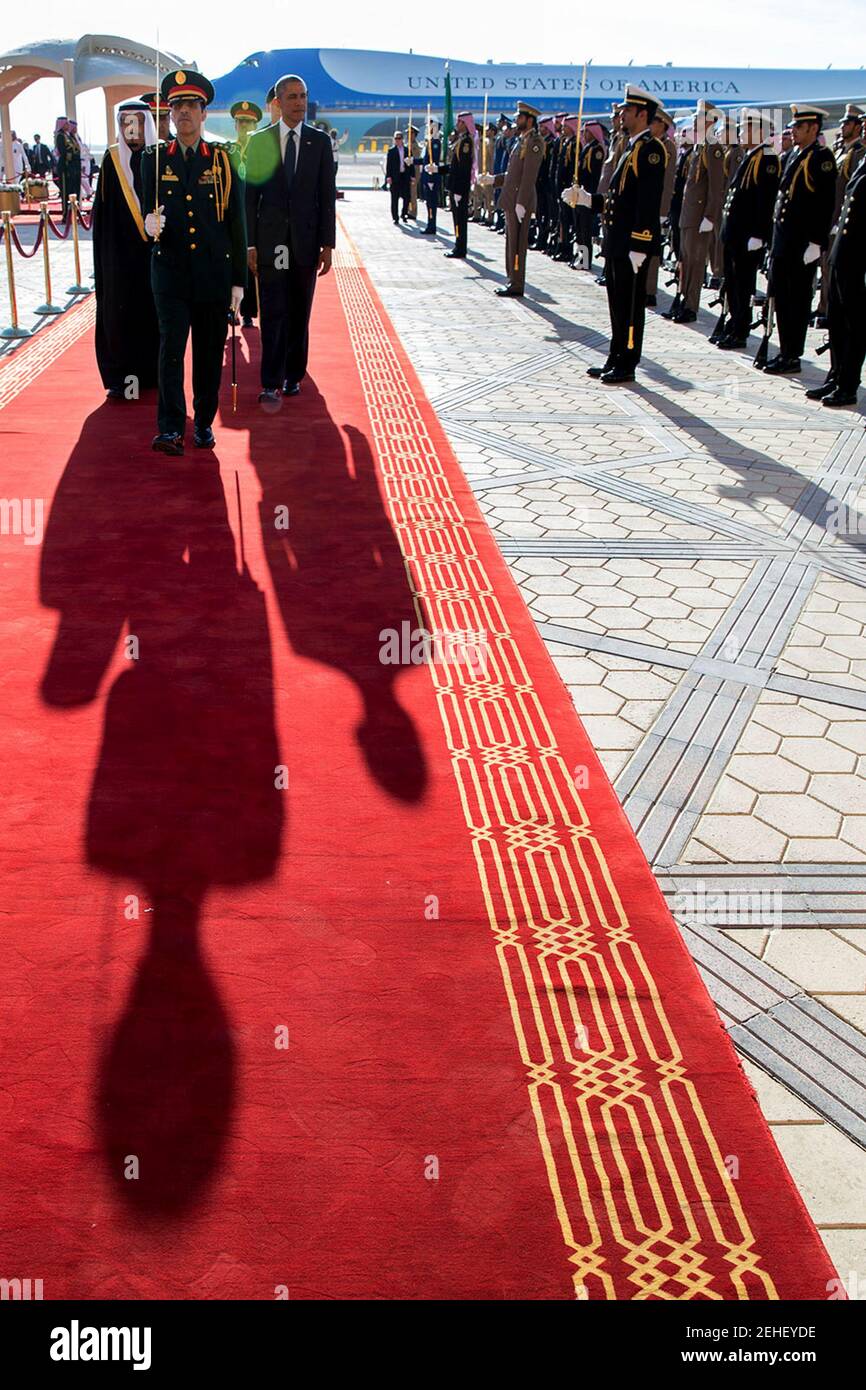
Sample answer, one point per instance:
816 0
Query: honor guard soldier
703 196
273 106
565 179
849 151
517 199
460 179
801 227
662 128
631 233
163 130
542 185
431 177
590 162
246 116
847 299
747 223
198 267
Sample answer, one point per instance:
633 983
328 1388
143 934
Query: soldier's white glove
154 222
754 244
237 296
520 210
457 197
706 225
811 253
584 198
569 196
430 169
637 259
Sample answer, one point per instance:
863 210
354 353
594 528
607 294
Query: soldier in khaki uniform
662 126
517 199
703 196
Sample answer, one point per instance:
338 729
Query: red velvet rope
36 245
61 236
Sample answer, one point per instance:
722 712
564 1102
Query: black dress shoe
650 301
247 322
291 388
817 393
455 255
596 372
838 397
202 437
428 231
685 316
270 394
506 292
729 344
168 444
783 366
616 375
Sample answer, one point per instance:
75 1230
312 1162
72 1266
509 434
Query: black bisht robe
127 333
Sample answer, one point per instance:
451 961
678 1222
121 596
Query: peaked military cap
245 111
185 83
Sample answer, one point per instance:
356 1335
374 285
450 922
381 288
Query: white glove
754 244
637 259
430 169
584 199
811 253
706 225
569 196
150 222
457 197
237 296
520 210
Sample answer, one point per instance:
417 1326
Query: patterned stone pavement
30 280
692 550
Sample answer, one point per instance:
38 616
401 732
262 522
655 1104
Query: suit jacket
804 207
751 197
630 207
399 178
203 247
304 219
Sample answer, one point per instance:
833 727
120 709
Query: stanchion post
77 288
47 307
13 331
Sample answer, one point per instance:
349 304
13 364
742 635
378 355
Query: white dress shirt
284 135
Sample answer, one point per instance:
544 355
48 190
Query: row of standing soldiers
730 204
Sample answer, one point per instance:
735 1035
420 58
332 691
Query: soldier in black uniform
591 160
460 182
631 233
246 116
431 177
801 227
198 267
565 170
542 187
747 222
847 299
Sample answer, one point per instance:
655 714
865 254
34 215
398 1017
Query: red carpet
416 1023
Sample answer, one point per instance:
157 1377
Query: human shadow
337 570
183 794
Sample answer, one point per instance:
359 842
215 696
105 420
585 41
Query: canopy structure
121 67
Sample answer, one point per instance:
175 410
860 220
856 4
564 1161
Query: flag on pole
448 119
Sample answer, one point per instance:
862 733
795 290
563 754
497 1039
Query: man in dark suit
291 227
398 178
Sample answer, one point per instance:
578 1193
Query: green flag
448 119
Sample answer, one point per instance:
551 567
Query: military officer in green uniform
198 268
460 172
246 116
